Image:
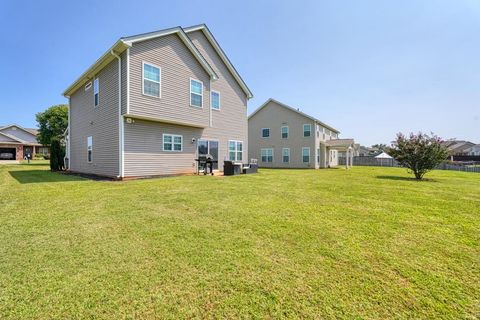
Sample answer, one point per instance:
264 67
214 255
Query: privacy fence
470 166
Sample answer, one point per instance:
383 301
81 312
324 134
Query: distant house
473 151
280 136
155 102
458 147
17 143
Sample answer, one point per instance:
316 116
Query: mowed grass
364 243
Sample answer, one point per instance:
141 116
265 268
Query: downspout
120 118
67 138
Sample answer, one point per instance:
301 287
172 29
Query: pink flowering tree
419 153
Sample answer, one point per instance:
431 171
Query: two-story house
154 102
280 136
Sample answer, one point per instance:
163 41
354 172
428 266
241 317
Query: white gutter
120 117
128 80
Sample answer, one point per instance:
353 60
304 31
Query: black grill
206 160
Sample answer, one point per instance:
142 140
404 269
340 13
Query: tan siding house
283 137
164 98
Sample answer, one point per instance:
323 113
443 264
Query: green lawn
364 243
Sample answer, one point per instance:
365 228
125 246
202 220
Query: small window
306 154
286 155
196 93
235 150
284 132
96 92
151 80
172 142
265 132
318 155
215 100
307 130
267 155
88 86
89 149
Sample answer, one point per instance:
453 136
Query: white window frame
283 155
173 142
309 156
268 133
318 155
281 132
90 149
88 86
201 94
159 80
96 92
261 154
235 150
310 130
211 100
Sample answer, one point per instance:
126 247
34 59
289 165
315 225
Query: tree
52 124
380 146
419 153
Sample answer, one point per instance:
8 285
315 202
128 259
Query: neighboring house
280 136
17 142
458 147
155 101
473 151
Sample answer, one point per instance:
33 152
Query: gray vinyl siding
274 117
21 134
230 122
177 65
144 155
99 122
7 139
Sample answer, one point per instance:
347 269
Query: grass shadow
398 178
41 176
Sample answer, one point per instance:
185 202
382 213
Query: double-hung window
306 154
151 80
235 150
286 155
318 155
215 100
267 155
284 132
96 92
265 132
196 93
172 142
89 149
307 130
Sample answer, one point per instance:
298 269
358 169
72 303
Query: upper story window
284 132
307 130
96 92
306 154
172 142
151 80
215 100
267 155
89 149
196 93
235 150
265 132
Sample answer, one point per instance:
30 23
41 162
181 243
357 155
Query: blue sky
369 68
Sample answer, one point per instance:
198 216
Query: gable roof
208 34
126 42
294 110
32 131
15 139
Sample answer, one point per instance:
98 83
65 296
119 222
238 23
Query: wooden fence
372 161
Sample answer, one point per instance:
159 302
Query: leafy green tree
52 124
420 152
380 146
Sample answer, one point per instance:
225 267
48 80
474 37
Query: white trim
236 149
159 78
309 156
13 138
261 131
310 130
128 79
121 135
219 100
88 86
20 127
190 87
281 132
90 148
283 155
96 102
173 142
261 156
